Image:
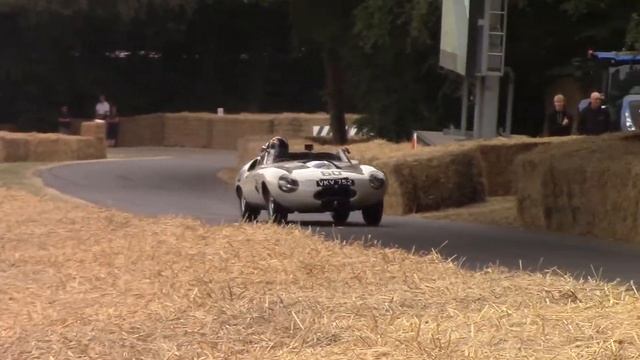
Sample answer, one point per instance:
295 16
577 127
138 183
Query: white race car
283 182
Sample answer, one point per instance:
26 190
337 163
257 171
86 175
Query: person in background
559 122
64 121
103 109
113 122
594 119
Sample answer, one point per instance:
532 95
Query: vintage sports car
283 182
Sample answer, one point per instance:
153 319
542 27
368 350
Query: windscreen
634 108
624 81
309 156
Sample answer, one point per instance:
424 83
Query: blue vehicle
618 75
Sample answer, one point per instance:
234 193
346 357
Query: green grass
21 176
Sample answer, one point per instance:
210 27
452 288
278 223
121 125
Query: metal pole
477 115
490 105
512 87
465 106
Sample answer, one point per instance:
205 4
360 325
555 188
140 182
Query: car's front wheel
340 217
248 213
277 214
372 215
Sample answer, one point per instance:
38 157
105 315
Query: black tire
340 216
248 213
372 215
277 214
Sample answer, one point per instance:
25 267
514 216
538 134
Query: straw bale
88 148
185 130
52 147
20 147
15 147
144 130
94 129
444 179
227 130
84 282
498 157
587 187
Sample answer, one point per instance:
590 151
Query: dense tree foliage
376 57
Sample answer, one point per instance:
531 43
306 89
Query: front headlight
288 184
628 121
377 181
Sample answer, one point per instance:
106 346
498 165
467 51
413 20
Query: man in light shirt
103 109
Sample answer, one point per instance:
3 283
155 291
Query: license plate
335 182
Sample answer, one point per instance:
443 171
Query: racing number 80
331 173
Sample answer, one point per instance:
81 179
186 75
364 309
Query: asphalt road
184 183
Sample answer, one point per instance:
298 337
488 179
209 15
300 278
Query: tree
633 33
328 23
394 67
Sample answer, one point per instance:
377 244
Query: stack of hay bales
441 179
228 129
20 147
94 129
145 130
588 186
187 130
207 130
498 158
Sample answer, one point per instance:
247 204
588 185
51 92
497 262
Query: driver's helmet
279 147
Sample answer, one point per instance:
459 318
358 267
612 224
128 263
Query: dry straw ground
81 282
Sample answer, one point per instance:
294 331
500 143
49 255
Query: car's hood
293 167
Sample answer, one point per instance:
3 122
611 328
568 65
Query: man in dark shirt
64 121
559 122
595 119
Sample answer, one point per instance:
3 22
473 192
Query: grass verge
20 176
83 282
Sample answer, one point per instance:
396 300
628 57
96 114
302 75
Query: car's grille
335 193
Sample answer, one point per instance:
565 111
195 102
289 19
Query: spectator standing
113 124
559 122
594 119
64 121
103 108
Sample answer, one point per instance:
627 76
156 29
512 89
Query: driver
279 147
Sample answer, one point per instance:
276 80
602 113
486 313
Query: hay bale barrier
227 130
448 176
587 187
428 183
32 147
186 130
94 129
144 130
209 130
498 158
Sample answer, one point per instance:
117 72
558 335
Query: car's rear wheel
340 216
277 214
248 213
372 215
